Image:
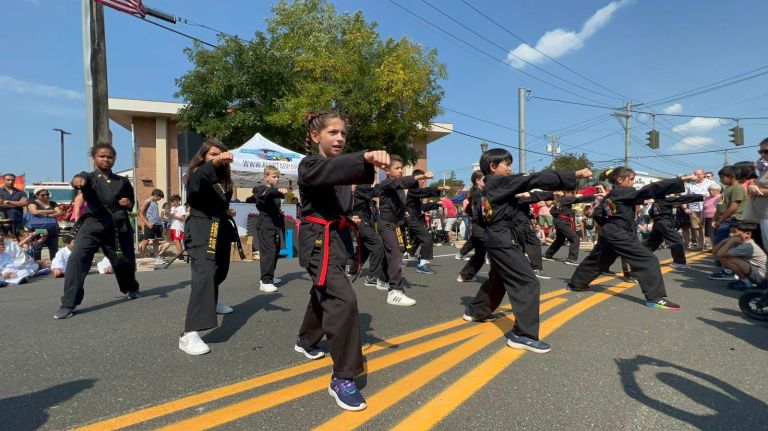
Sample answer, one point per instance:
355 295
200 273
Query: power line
175 31
465 43
709 87
441 12
491 141
540 52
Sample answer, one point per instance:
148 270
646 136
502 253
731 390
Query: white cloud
556 43
8 83
673 109
692 143
698 125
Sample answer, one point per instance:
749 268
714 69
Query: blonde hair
270 169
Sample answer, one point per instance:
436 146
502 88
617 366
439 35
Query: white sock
423 262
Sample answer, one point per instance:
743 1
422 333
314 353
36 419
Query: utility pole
521 93
62 132
95 69
553 147
626 114
725 158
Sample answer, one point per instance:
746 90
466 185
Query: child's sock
424 262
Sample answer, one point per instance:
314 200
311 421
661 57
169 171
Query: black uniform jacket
392 198
663 207
268 201
102 195
208 202
617 210
413 203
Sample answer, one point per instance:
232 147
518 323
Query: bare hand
559 193
283 191
755 191
446 188
690 177
57 273
9 275
356 219
584 173
378 158
715 224
232 212
226 157
429 175
124 202
523 195
688 211
78 182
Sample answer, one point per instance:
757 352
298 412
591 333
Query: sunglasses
762 151
43 195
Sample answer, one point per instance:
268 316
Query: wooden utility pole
95 68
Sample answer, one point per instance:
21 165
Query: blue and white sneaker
519 342
740 285
346 394
312 352
425 269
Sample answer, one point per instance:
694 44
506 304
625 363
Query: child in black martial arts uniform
417 223
565 226
208 235
105 224
370 240
270 227
510 270
665 228
326 200
527 231
392 215
474 210
618 236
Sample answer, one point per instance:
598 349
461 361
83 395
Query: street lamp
483 146
62 133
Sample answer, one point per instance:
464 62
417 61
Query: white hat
39 189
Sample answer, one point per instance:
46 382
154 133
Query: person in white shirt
698 186
16 266
178 217
59 262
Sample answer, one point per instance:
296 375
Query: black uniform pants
564 231
511 274
476 261
666 230
615 242
467 247
92 236
392 237
269 234
332 312
422 237
533 247
373 247
208 272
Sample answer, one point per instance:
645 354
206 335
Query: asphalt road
615 364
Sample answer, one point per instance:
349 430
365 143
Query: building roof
122 110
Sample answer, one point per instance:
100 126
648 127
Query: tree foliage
570 162
312 58
456 186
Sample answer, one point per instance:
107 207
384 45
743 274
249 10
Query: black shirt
564 205
413 203
618 208
392 197
663 207
206 195
324 183
268 201
102 194
362 205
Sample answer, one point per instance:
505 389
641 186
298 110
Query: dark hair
763 142
476 175
9 175
199 160
100 146
316 123
417 171
494 156
615 174
395 158
747 171
746 226
174 198
728 171
158 192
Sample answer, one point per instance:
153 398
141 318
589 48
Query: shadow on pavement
160 292
368 338
752 334
733 408
231 323
29 411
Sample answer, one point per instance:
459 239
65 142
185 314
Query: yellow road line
393 393
208 396
457 393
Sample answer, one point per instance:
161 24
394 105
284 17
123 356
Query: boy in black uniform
105 224
371 242
417 223
474 210
528 231
326 200
618 236
565 226
665 227
392 218
510 271
270 227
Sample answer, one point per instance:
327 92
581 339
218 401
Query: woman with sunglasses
757 190
43 213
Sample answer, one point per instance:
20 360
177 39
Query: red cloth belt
570 220
338 224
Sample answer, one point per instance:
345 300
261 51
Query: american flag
133 7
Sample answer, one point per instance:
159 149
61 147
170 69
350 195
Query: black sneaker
347 396
370 281
723 274
609 273
312 352
571 262
135 294
662 303
425 269
519 342
573 288
64 313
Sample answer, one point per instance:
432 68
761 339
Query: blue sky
640 49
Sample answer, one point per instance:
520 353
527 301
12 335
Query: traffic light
737 135
653 139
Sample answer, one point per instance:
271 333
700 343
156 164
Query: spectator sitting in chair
13 203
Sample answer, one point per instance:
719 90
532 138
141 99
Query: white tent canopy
253 156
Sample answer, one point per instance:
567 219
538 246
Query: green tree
455 185
388 89
570 162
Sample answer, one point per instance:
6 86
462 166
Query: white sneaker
267 287
396 297
159 261
191 344
222 308
459 256
382 285
276 280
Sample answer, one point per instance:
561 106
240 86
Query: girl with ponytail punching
325 181
618 236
